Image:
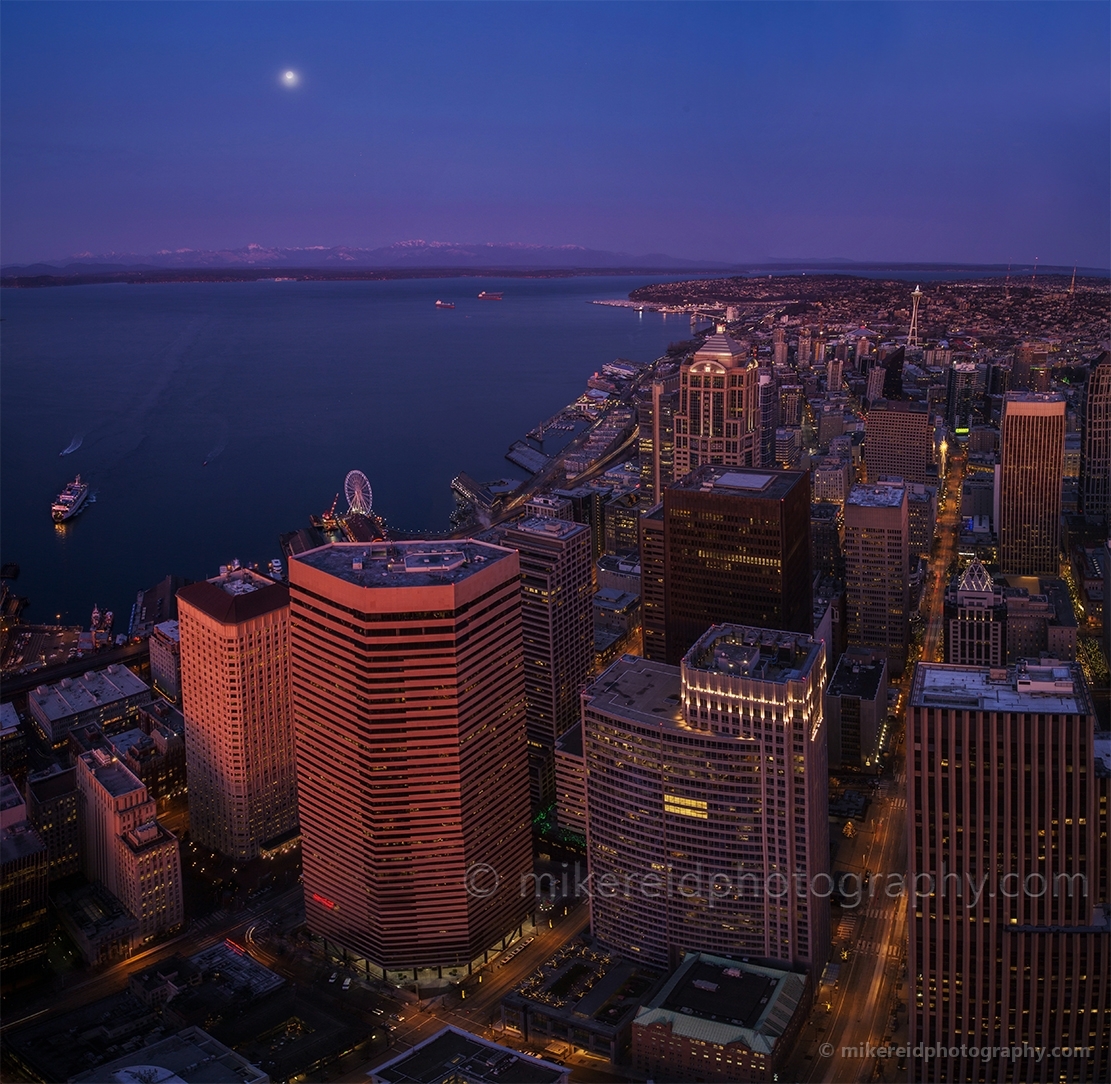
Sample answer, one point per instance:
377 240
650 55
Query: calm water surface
282 387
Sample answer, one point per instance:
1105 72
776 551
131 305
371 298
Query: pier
527 458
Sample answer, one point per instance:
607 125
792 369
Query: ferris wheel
360 497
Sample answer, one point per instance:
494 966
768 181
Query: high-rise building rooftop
762 654
408 564
882 496
1052 687
236 595
738 481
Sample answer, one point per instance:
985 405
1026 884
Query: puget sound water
210 418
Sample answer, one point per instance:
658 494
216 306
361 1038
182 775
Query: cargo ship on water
445 304
70 501
489 295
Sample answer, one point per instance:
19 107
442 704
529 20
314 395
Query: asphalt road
948 536
128 654
479 1008
875 932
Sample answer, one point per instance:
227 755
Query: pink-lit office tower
718 420
1028 484
1008 784
412 771
125 846
238 721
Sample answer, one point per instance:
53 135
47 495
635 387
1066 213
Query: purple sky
914 132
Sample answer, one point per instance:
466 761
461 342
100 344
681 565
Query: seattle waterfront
209 418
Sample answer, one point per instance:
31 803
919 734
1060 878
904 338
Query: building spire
912 335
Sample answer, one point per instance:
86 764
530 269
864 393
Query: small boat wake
73 445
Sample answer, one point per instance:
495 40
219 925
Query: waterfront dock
527 458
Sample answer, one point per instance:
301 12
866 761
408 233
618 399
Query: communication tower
912 335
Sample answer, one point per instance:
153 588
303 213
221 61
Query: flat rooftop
609 598
19 841
403 564
571 741
856 677
717 1000
95 911
895 406
761 654
1020 589
886 496
627 563
129 739
1102 753
169 629
546 501
52 783
1056 688
148 836
739 482
452 1056
550 528
237 970
640 690
9 794
191 1056
166 715
582 983
1032 397
90 691
9 719
111 774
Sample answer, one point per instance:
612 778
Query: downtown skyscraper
877 594
706 794
235 693
1031 466
898 441
557 619
126 848
1007 835
736 550
1096 461
718 420
656 435
409 708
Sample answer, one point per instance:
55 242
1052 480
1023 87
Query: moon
290 78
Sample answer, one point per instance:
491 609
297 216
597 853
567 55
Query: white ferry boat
70 501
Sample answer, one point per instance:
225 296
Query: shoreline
318 274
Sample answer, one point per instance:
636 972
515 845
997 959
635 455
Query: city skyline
662 626
509 124
731 824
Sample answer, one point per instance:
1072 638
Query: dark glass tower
737 550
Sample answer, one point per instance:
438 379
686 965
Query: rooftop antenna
1007 285
1035 274
1072 285
912 335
